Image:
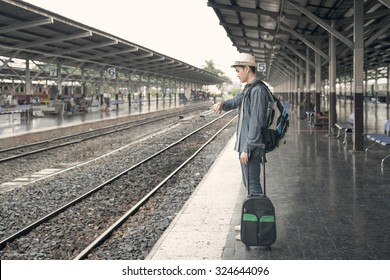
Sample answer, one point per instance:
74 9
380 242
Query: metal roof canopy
277 32
30 32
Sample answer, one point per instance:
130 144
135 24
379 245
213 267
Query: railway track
17 152
108 205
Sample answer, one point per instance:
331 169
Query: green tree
210 66
235 91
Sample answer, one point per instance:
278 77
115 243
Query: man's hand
244 157
217 107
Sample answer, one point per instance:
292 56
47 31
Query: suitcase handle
262 147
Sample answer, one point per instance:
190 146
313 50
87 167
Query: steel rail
105 235
61 209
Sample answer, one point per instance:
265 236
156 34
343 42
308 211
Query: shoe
238 237
237 228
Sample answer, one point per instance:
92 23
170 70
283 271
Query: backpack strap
259 82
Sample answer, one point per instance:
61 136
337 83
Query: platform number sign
111 72
53 72
261 66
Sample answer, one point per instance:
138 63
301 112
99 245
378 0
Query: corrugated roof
277 31
27 31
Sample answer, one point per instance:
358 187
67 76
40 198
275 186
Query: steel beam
92 57
291 48
385 2
320 22
25 25
377 34
57 39
305 41
257 11
86 47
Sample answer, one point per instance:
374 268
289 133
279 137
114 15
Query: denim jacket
252 116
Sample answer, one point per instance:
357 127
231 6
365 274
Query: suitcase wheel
248 248
268 248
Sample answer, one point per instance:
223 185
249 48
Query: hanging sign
111 71
261 66
53 72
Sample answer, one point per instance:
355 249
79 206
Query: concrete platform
200 230
331 203
18 130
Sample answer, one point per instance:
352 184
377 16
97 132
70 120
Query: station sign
111 71
53 72
261 66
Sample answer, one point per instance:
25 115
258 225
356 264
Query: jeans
254 168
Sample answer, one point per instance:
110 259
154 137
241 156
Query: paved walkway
199 231
331 203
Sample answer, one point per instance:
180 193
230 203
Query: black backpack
277 120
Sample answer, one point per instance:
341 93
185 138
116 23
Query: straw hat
244 59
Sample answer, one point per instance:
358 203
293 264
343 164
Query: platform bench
347 127
309 116
317 119
383 139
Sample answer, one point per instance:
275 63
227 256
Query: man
252 116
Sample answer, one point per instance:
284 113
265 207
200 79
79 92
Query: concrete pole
59 80
83 91
101 89
376 84
307 86
28 79
366 79
296 85
388 90
358 62
332 83
148 92
300 88
318 77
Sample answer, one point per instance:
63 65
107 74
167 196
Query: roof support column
148 92
28 79
101 88
140 93
296 85
130 89
387 90
318 77
116 90
366 82
358 62
307 81
292 88
83 89
376 85
344 85
300 87
170 92
332 83
59 80
174 91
